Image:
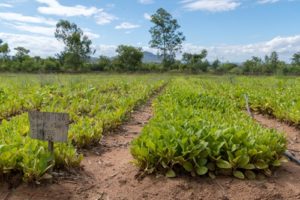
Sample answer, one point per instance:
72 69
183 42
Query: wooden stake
51 147
51 150
291 157
247 106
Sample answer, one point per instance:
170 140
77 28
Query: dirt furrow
292 133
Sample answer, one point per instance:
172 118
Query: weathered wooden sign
47 126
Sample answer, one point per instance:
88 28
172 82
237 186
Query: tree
227 67
274 59
77 45
129 57
296 59
4 49
103 63
165 36
215 64
195 62
271 63
253 66
21 53
23 61
50 65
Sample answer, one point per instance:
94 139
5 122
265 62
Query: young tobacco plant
203 132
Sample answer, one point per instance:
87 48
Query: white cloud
46 31
285 46
6 5
266 1
106 50
13 2
104 17
147 16
38 45
127 25
211 5
90 34
41 30
55 8
146 1
16 17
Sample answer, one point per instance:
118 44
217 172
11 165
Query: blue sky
232 30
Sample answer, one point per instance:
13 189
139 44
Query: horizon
231 30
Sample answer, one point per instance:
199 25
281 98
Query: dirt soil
292 133
109 174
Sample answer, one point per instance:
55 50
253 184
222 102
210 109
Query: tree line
165 37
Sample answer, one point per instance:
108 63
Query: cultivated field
194 128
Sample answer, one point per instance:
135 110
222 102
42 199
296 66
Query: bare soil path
292 133
109 174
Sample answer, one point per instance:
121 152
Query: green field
199 126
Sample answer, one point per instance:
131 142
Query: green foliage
77 45
51 65
226 67
195 62
4 49
152 67
165 36
270 65
129 58
253 66
103 63
95 104
296 59
21 54
199 130
31 157
278 97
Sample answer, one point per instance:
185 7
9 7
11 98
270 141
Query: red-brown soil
109 174
292 133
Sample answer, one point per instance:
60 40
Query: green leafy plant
95 106
200 131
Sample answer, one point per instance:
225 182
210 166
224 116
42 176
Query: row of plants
99 112
17 99
20 93
94 105
275 96
197 129
21 154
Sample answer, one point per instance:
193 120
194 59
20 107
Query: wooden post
51 147
51 150
247 106
291 157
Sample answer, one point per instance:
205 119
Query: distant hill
150 57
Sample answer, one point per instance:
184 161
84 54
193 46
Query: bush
51 65
129 58
152 67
